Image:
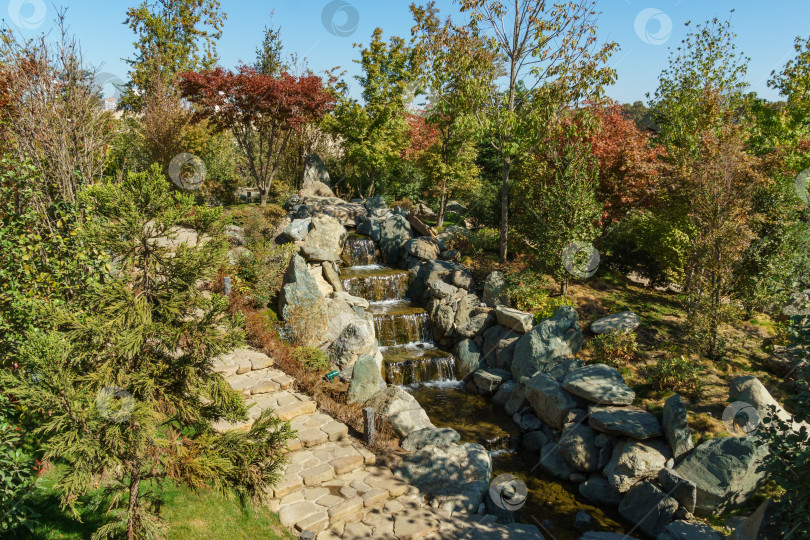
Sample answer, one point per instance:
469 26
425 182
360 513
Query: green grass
188 516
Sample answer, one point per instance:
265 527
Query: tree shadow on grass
53 522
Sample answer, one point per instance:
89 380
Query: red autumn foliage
629 163
421 136
261 110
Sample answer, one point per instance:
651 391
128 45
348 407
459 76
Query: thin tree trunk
134 491
507 165
442 206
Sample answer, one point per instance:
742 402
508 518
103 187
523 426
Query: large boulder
370 226
750 390
315 170
633 461
578 449
599 491
339 314
683 530
649 508
423 248
366 380
468 358
553 463
517 399
401 410
548 400
676 427
724 471
516 320
626 320
495 290
301 303
557 336
297 230
430 271
456 476
355 340
489 380
626 421
318 255
679 488
430 437
499 346
419 227
327 233
599 383
394 232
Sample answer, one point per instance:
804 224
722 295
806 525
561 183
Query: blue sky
766 31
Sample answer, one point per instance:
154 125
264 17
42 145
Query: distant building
109 104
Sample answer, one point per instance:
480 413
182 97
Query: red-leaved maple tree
262 111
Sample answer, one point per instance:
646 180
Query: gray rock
550 402
681 530
635 460
370 227
529 422
442 322
496 339
234 234
394 232
628 421
466 309
534 441
648 507
298 229
315 171
441 290
317 255
582 519
750 390
477 324
301 303
489 380
366 380
349 299
423 247
593 535
578 449
401 409
517 320
332 277
355 340
517 399
561 366
553 463
557 336
676 427
725 473
599 383
430 437
626 320
468 358
503 393
456 476
679 488
494 290
327 233
375 203
599 491
436 270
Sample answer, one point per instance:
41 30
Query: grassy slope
188 515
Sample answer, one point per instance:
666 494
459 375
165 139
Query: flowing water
411 359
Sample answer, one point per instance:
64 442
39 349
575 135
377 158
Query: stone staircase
330 485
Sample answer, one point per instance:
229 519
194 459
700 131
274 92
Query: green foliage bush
262 270
615 348
311 358
17 471
677 373
259 222
527 292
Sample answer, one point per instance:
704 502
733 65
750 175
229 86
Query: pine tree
124 392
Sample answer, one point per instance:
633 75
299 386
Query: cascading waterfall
402 328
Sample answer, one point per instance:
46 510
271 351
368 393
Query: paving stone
394 486
260 361
345 509
328 501
312 437
287 485
316 475
346 464
264 387
293 513
285 381
393 506
357 530
288 399
374 497
290 411
313 494
415 523
336 431
290 498
348 492
315 523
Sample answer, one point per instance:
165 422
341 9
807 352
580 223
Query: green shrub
527 292
615 348
18 471
486 239
676 373
259 222
311 358
262 270
550 306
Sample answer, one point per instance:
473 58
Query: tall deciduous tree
553 49
456 67
173 36
262 111
123 387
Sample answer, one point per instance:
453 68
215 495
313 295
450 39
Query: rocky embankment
578 419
